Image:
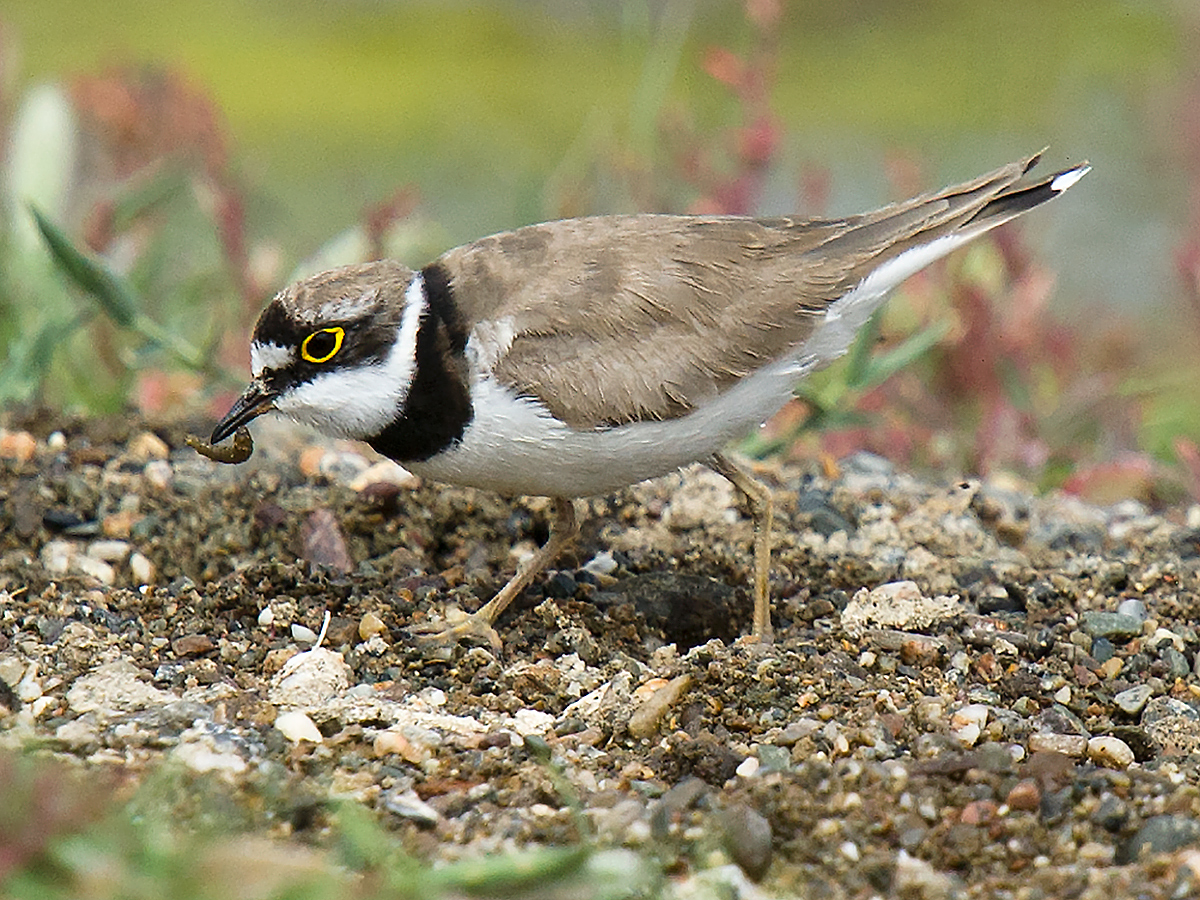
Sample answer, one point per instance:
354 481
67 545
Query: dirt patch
1029 722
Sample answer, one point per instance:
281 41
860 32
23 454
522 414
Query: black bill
256 399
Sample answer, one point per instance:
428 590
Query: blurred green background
426 124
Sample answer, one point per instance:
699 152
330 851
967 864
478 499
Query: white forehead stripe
268 356
360 401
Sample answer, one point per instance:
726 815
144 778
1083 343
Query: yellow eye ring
309 356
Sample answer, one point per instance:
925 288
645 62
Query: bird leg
758 496
480 624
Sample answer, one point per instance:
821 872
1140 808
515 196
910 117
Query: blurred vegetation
138 239
186 836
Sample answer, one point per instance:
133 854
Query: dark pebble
1177 664
61 519
1103 650
561 586
1110 625
1161 834
747 837
1112 814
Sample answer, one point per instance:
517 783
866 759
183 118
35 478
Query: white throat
360 402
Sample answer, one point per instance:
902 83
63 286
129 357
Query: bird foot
456 628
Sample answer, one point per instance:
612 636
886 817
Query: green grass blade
111 292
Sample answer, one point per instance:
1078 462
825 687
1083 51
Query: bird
575 357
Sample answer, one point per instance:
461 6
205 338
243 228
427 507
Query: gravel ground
972 692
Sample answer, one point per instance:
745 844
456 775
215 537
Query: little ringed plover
576 357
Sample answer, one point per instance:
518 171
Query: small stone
1110 752
898 605
1160 834
296 726
1133 608
310 679
370 625
323 542
1103 650
1111 626
142 569
147 445
1112 667
17 445
109 551
407 805
979 812
302 634
158 474
646 718
1132 701
192 645
267 617
1025 795
1063 695
966 724
385 472
747 837
1073 745
748 767
1177 664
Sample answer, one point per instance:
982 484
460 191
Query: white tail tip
1064 180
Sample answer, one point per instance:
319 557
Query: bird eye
321 346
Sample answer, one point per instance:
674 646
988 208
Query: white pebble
158 474
109 551
601 564
296 726
142 568
1063 695
748 767
302 634
1110 752
56 441
266 617
966 724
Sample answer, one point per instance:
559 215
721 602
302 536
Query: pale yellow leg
480 624
762 508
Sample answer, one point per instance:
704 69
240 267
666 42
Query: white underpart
268 356
360 402
514 445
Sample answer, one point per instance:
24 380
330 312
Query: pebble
1133 700
17 445
1074 745
296 726
1111 626
747 838
646 718
1160 834
309 679
267 617
385 472
302 634
158 474
146 445
966 724
1133 608
142 569
1110 752
748 767
370 625
407 805
109 551
1025 795
899 605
